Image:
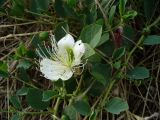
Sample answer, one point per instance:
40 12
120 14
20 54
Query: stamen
42 51
37 51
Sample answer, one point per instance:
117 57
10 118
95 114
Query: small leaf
23 91
71 112
3 69
152 40
112 13
26 64
118 53
15 101
149 8
122 4
34 99
23 75
65 117
71 3
49 94
21 50
59 8
17 8
117 65
38 6
91 34
16 117
102 72
104 38
130 15
138 73
116 105
89 51
82 107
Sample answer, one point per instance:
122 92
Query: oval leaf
102 72
34 99
16 102
82 107
152 40
118 53
138 73
89 51
91 34
49 94
116 105
22 91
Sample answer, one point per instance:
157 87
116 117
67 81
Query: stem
20 35
23 112
154 23
107 91
76 91
56 107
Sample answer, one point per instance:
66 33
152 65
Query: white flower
63 58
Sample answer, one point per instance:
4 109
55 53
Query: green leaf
71 3
38 6
122 4
23 75
91 34
118 53
65 117
16 117
130 34
101 72
3 69
96 89
91 14
82 107
61 30
138 73
59 8
111 14
21 50
49 94
15 102
2 2
17 8
130 15
149 8
117 65
116 105
34 99
26 64
89 51
152 40
23 91
71 112
104 38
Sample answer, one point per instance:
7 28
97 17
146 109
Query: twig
152 116
12 25
20 35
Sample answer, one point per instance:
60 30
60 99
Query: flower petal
66 42
55 70
78 51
